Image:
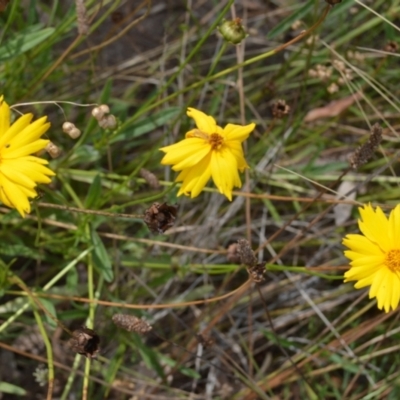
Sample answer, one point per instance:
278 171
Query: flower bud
74 133
67 127
108 122
233 31
53 150
104 108
97 113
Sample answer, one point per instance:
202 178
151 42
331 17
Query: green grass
85 254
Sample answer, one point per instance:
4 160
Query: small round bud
97 113
111 121
53 150
233 31
74 133
108 122
67 127
104 108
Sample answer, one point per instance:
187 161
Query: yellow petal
204 122
238 132
394 227
25 150
4 117
16 197
224 172
362 245
182 151
16 176
30 134
237 150
375 226
34 170
195 178
20 124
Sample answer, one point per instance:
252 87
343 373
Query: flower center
392 260
216 141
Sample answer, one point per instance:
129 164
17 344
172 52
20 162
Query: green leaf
288 22
24 41
100 257
147 125
49 306
9 388
93 196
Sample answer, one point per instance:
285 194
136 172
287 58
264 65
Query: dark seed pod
160 217
85 341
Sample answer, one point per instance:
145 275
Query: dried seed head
160 217
233 31
85 341
53 150
150 178
246 254
257 272
280 109
131 323
366 151
391 47
206 342
83 24
67 127
74 133
232 254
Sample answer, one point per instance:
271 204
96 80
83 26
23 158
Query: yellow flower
19 171
208 152
375 256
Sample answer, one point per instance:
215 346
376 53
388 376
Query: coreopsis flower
375 255
208 151
20 172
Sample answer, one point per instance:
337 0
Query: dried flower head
160 217
391 47
246 254
279 109
53 150
150 178
85 341
257 272
366 151
233 31
131 323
